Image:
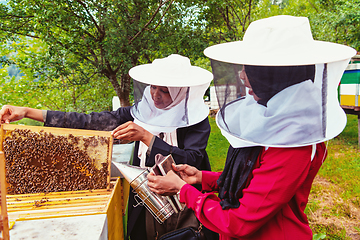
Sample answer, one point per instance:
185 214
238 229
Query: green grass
342 166
217 147
332 231
340 215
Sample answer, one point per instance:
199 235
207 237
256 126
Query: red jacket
273 203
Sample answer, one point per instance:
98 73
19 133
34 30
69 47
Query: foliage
268 8
31 90
338 21
203 63
227 20
335 21
82 41
86 40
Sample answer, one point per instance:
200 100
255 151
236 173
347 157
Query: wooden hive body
350 87
43 198
4 224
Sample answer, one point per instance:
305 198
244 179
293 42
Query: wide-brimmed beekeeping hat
186 84
279 41
302 75
173 71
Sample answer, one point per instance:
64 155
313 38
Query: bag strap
200 227
156 232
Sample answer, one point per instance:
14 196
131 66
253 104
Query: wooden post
354 111
4 216
358 131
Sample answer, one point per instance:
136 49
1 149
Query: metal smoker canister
158 206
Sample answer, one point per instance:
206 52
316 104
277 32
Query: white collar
249 123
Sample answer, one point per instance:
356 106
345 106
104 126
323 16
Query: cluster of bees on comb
38 162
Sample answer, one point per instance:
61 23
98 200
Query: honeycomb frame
48 159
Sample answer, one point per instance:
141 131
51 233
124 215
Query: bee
44 162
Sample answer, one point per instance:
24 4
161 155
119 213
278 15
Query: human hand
132 132
165 185
11 113
189 174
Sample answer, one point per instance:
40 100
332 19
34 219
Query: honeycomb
41 162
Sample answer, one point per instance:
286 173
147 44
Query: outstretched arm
12 113
104 121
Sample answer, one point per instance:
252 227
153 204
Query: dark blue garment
192 142
239 163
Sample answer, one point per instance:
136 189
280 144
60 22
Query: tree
27 88
84 39
227 20
338 21
335 21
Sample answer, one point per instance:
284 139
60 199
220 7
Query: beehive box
40 207
350 87
59 172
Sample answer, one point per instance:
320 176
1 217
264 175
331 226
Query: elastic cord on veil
236 172
324 97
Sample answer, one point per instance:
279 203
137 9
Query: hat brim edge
314 52
146 74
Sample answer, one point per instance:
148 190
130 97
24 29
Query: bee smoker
158 206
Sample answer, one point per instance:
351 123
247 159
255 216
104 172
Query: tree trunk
123 90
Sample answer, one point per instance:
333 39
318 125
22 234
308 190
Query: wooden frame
36 206
28 207
4 215
63 132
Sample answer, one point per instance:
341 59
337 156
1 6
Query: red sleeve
209 181
282 171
